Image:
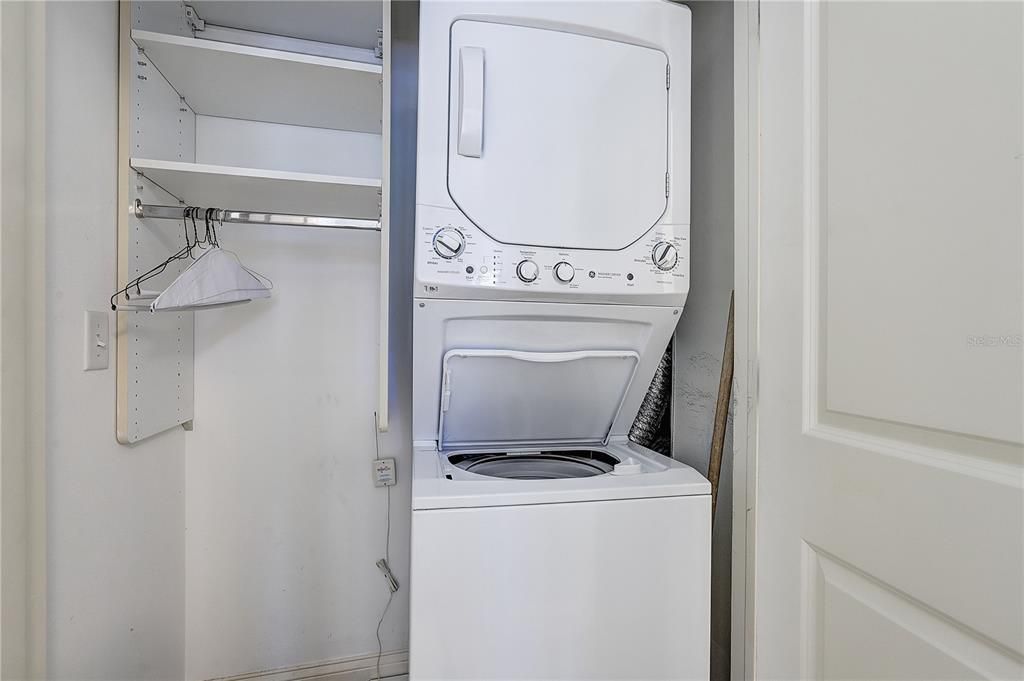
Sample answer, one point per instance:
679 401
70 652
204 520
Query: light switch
97 340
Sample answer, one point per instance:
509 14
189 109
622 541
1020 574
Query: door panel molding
911 149
826 576
1004 473
889 538
959 449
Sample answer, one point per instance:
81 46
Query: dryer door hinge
668 184
668 76
193 19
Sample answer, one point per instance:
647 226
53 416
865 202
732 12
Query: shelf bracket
193 19
379 50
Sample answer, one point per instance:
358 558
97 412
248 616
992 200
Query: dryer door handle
471 101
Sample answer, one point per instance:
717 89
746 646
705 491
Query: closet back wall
284 525
296 148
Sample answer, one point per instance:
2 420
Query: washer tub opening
537 465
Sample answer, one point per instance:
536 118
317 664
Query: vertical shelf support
383 368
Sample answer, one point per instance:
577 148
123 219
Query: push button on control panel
564 272
449 243
664 255
527 271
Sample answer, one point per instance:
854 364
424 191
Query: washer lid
556 138
510 398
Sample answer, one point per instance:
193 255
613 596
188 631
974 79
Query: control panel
453 252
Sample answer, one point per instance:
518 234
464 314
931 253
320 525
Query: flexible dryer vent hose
646 430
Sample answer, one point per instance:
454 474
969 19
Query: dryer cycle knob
449 243
664 255
527 271
564 272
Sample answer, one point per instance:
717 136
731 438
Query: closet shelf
255 83
269 191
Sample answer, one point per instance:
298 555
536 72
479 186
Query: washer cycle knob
527 271
564 272
449 243
664 255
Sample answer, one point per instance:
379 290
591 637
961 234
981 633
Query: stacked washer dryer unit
551 268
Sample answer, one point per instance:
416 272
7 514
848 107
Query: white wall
267 510
284 524
116 570
700 336
297 148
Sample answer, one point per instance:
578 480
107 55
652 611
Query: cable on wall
384 564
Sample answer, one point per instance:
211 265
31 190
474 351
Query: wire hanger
222 280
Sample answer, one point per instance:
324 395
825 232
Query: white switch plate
384 472
97 340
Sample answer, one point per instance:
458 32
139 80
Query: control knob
665 255
564 272
527 271
449 243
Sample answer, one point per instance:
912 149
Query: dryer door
555 138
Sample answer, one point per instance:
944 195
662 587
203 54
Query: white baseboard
394 666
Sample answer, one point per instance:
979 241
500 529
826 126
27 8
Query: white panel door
556 138
889 510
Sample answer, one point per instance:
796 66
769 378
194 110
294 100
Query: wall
700 337
284 525
283 521
22 341
115 544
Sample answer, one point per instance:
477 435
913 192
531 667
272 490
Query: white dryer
553 151
552 264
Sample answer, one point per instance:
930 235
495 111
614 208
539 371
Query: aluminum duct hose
647 428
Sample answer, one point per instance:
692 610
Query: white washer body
601 577
597 578
552 263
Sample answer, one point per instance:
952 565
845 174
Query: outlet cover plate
384 472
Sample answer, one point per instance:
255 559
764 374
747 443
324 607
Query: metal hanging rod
142 210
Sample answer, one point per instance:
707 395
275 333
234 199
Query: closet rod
143 210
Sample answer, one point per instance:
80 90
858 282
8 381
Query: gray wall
700 337
115 515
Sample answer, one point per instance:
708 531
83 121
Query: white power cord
385 564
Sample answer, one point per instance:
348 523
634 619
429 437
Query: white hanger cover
217 277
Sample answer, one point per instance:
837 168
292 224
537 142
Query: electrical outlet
384 472
97 339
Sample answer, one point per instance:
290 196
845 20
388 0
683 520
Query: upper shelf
269 191
259 84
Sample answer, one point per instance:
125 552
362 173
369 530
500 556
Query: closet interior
239 112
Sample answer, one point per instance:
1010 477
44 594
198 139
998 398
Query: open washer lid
509 398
